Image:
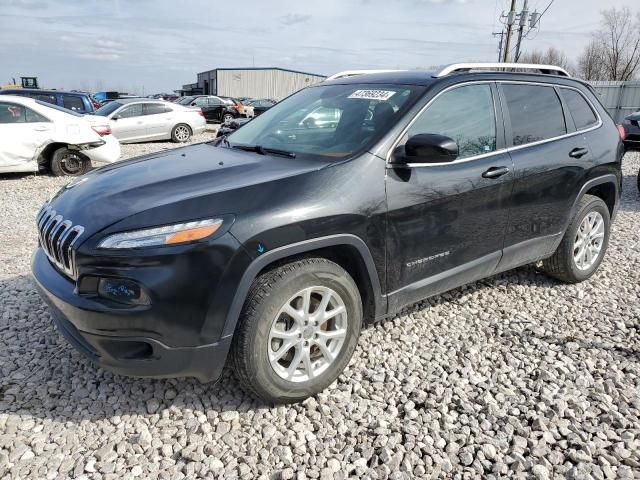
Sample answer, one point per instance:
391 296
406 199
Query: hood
181 184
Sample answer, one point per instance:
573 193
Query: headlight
167 235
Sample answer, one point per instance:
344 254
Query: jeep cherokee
274 245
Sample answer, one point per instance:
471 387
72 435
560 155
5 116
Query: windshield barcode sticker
373 94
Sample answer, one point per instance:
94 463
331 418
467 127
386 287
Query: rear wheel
299 327
584 243
67 162
181 133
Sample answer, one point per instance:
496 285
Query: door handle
578 152
41 129
495 172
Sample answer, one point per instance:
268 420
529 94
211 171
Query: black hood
172 186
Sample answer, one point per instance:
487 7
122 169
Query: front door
447 221
130 124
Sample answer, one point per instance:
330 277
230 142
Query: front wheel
181 133
584 243
67 162
299 327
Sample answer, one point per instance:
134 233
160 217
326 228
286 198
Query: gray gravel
517 376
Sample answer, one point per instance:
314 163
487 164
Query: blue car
77 101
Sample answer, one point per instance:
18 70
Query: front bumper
128 341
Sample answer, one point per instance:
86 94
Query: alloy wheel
182 133
307 334
587 245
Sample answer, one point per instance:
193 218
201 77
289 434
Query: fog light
122 291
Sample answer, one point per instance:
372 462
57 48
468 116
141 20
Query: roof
42 91
266 68
125 101
426 78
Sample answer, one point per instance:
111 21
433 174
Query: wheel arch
46 154
348 251
605 187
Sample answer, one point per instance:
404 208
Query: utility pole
511 18
524 15
501 34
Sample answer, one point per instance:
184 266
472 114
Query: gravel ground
514 376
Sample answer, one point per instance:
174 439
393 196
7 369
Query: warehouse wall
276 84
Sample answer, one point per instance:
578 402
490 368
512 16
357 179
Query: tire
181 133
563 264
262 317
67 162
227 117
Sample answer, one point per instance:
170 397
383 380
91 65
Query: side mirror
428 148
115 117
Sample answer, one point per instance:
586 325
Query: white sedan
143 120
35 134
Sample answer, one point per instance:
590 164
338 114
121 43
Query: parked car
631 126
215 108
232 126
256 107
77 101
142 120
276 246
38 135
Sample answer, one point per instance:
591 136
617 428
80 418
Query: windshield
334 121
108 109
184 100
56 107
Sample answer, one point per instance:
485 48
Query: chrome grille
57 238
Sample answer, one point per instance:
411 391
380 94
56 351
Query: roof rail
465 67
353 73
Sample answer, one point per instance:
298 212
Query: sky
152 46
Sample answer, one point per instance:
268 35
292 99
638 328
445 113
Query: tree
591 63
614 50
552 56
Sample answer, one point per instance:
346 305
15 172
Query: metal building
275 83
619 98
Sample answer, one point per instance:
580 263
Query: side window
155 108
73 103
202 101
46 98
131 111
535 112
12 113
215 101
33 117
465 114
580 110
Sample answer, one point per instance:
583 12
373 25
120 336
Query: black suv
276 244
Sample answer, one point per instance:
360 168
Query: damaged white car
36 135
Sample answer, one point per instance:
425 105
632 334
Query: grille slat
57 238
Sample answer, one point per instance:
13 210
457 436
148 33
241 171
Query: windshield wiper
264 150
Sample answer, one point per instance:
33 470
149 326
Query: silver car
142 120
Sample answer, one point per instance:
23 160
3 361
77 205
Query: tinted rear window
535 112
73 103
581 112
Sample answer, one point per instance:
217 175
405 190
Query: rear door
128 123
157 117
23 134
550 159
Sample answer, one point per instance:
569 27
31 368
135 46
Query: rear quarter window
535 112
581 112
73 103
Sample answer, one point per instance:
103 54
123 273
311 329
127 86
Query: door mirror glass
428 148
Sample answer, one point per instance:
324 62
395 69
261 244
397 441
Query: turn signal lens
102 130
622 132
191 235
